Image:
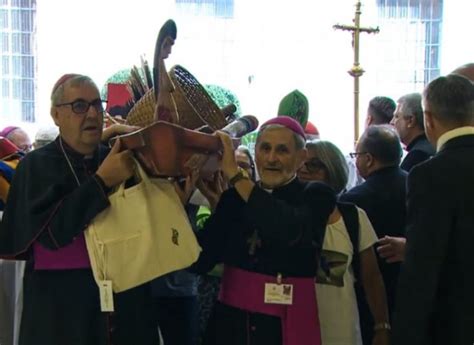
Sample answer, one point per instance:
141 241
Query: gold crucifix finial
356 71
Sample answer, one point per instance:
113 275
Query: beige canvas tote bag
144 234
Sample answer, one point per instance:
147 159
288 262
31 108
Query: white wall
458 34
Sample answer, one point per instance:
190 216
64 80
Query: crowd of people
301 245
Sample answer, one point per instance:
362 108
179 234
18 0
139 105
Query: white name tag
106 296
279 293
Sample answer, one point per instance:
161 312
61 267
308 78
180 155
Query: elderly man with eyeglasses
56 192
382 197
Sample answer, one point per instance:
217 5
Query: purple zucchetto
7 130
286 122
61 81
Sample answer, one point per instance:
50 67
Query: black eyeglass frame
95 103
355 154
314 165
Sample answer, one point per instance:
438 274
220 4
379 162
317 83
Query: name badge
279 293
106 296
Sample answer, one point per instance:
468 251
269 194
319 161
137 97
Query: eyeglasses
81 106
355 154
314 165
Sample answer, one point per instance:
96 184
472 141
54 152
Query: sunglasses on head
81 106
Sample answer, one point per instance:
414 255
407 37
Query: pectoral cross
356 71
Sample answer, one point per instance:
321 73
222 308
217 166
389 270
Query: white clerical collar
284 184
457 132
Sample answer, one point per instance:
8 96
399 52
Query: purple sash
71 256
299 321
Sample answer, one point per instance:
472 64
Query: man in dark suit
382 197
435 301
408 121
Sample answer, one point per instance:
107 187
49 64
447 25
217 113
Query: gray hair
335 164
77 80
299 140
411 106
45 135
245 150
383 143
451 99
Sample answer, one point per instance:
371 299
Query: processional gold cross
356 71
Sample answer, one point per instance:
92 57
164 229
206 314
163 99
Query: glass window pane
215 8
15 19
21 43
5 42
435 31
3 19
434 55
21 3
416 25
224 8
22 20
437 9
28 111
16 66
16 86
28 89
5 65
28 67
26 20
5 88
16 44
26 47
426 10
17 63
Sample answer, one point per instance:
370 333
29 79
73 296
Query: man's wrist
382 326
106 189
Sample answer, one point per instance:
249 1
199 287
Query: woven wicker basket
194 105
188 118
190 94
142 113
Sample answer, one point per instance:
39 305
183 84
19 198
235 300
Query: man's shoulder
417 155
44 155
443 165
315 187
443 158
368 192
318 190
356 192
425 146
424 174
